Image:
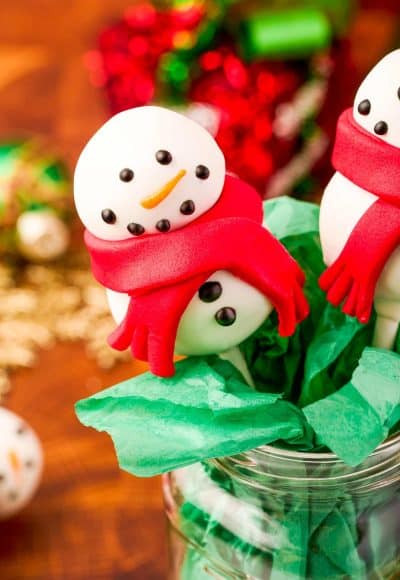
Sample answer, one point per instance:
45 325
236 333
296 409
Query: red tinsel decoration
247 96
129 52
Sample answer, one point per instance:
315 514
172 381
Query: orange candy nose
14 461
156 198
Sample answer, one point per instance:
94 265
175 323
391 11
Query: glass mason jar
280 515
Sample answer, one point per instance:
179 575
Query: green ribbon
297 32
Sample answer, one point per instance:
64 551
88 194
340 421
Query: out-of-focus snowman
360 209
21 463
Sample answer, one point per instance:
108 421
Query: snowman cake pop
178 244
360 209
21 463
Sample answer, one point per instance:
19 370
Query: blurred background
268 79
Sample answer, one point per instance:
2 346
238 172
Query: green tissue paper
206 410
316 390
353 421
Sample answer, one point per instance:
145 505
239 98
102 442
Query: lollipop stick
235 357
385 332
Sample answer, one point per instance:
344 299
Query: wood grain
89 520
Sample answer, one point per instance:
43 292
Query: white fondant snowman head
21 463
377 103
147 170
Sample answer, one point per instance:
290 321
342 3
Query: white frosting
342 205
118 304
21 462
130 140
198 331
380 87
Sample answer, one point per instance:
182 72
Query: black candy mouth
135 229
163 225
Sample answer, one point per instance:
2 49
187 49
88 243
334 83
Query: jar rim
259 466
311 456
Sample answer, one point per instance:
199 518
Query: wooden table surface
89 520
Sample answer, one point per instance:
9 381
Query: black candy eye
381 128
226 316
364 108
21 430
29 463
202 172
108 216
210 291
398 92
164 157
126 174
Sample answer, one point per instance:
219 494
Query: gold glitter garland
40 305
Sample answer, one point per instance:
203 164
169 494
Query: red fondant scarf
374 166
162 272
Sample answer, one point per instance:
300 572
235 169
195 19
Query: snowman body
223 313
21 463
377 110
342 206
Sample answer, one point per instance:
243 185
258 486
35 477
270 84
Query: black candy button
210 291
135 229
187 207
202 172
126 174
381 128
22 429
163 157
108 216
163 225
226 316
364 108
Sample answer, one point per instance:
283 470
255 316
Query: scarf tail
151 324
270 268
353 277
